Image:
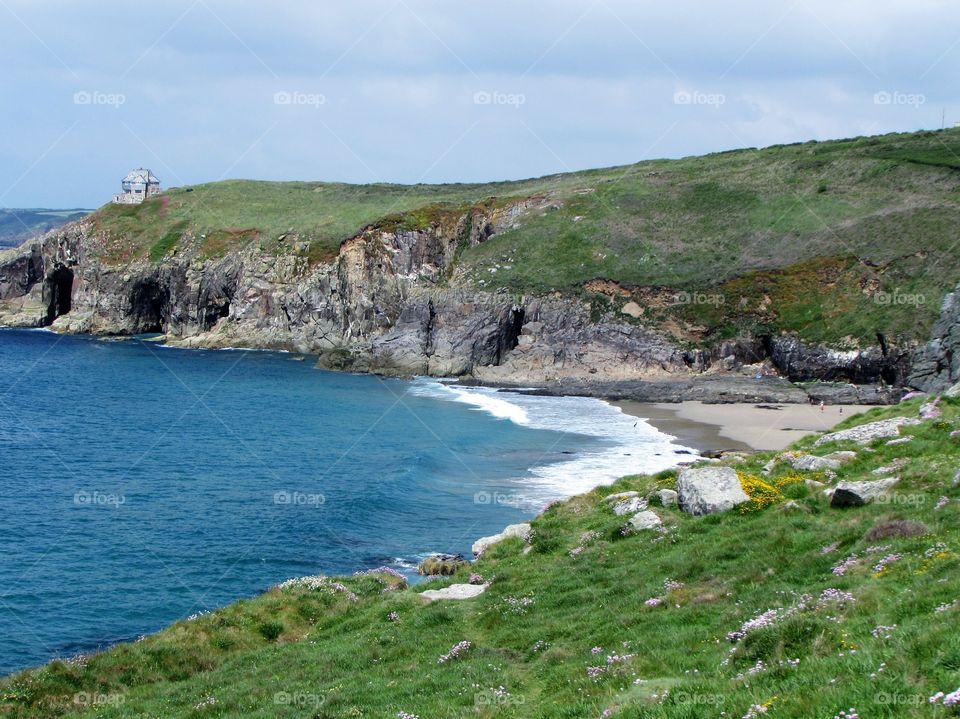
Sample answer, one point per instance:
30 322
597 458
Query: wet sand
739 426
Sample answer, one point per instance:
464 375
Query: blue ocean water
140 484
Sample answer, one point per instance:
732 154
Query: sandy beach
740 426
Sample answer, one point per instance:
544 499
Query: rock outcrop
866 433
936 365
856 494
708 490
514 530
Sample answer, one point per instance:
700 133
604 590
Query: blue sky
439 91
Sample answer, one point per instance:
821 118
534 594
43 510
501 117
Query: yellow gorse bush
761 493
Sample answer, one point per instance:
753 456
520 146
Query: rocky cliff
936 365
389 302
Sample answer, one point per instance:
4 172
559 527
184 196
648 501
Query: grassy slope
336 657
798 238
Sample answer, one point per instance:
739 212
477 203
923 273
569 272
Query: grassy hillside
835 240
592 622
17 226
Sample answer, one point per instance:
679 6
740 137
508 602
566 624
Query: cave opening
148 305
58 293
510 333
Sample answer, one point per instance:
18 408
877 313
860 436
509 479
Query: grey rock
855 494
842 456
514 530
865 433
629 506
936 365
454 591
645 520
813 485
813 463
902 440
707 490
667 497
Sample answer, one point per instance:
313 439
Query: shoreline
740 426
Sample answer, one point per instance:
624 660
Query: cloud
407 90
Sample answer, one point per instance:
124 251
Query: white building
137 186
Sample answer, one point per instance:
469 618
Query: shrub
270 630
896 528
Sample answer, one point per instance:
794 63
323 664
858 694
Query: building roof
142 175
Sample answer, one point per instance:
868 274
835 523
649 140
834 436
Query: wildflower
943 502
946 606
882 631
672 584
381 570
517 605
596 650
835 596
952 699
540 645
754 711
850 713
393 616
881 566
208 702
877 548
406 715
880 670
654 602
458 649
619 658
759 622
937 550
595 672
846 565
476 579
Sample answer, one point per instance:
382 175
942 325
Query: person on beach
822 406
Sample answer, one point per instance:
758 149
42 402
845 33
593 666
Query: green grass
884 208
321 653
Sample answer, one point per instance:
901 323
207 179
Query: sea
141 484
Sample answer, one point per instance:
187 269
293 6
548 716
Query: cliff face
936 366
389 302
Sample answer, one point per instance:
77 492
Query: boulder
856 494
667 497
629 506
813 485
514 530
813 463
454 591
707 490
866 433
645 520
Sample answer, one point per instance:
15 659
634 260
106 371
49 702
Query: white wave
627 444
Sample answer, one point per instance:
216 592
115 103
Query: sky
443 91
